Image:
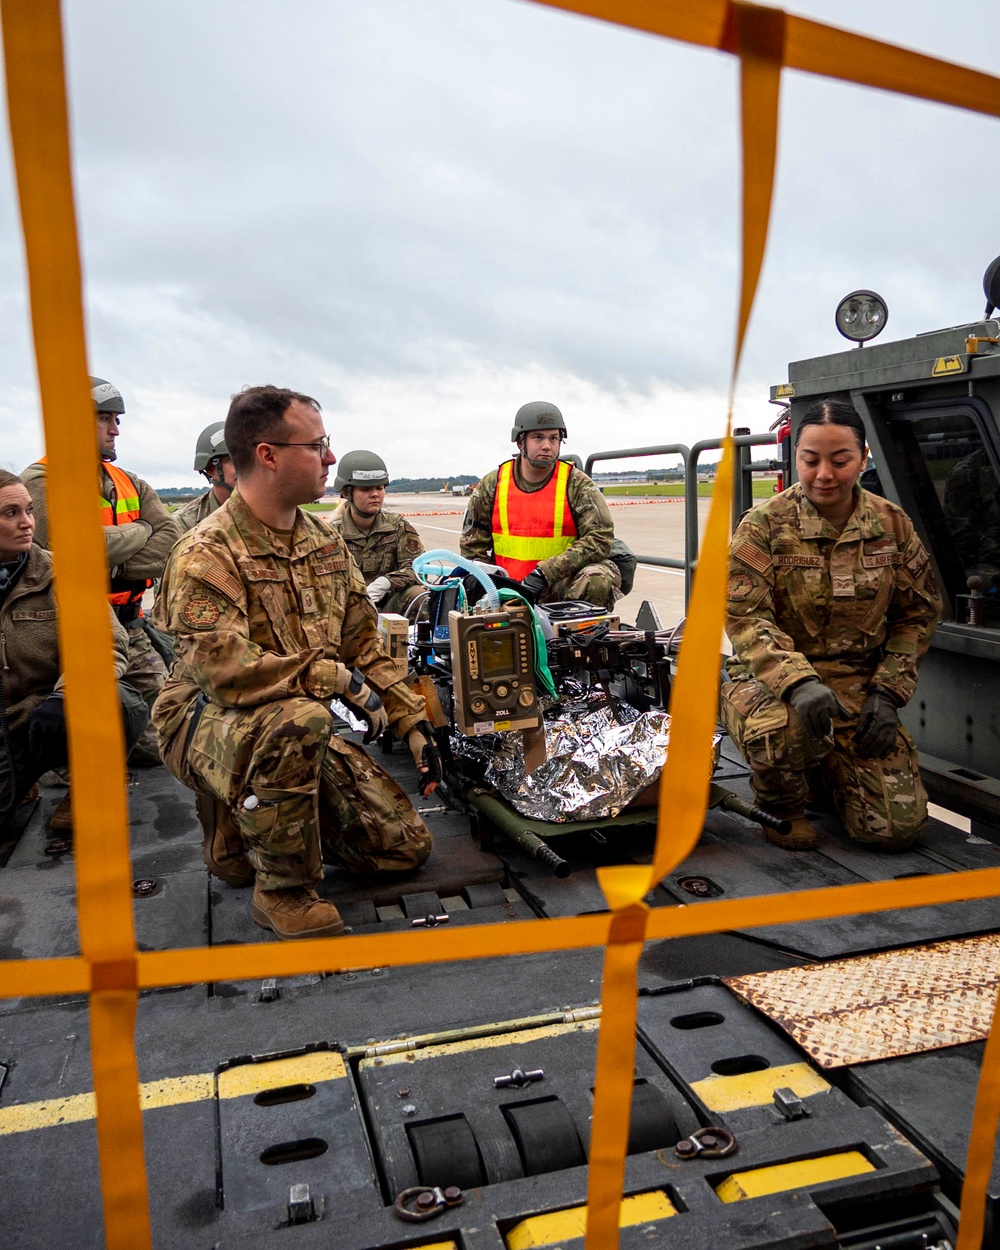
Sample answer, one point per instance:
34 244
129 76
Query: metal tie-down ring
428 1201
708 1143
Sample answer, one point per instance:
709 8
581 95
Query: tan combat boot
60 828
222 846
61 819
803 835
296 913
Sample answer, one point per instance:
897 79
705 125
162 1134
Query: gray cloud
415 212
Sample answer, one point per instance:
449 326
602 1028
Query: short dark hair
9 479
833 410
257 415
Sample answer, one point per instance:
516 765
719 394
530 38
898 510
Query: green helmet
360 468
538 415
211 443
106 397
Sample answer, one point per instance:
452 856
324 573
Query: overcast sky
428 212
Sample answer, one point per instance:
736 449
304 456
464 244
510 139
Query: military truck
449 1105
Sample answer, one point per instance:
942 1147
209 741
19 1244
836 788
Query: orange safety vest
125 509
530 526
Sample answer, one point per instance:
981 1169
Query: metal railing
742 489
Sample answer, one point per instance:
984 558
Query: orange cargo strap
763 39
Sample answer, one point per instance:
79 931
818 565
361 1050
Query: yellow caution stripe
801 1174
556 1227
489 1042
756 1089
236 1082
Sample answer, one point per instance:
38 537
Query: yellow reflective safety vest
126 506
530 526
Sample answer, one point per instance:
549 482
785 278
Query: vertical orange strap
36 90
757 37
615 1076
982 1143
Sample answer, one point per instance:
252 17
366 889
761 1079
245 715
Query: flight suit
855 609
260 631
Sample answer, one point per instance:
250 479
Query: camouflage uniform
259 632
385 550
134 553
583 570
855 609
188 515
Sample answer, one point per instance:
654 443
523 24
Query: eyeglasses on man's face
321 445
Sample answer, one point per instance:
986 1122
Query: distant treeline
414 485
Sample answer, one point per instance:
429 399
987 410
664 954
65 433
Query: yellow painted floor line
236 1082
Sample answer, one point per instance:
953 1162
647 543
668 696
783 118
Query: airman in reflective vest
542 519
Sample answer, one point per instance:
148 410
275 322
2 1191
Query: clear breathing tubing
443 562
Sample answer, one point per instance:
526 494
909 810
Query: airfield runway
652 526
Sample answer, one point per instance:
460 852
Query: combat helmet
211 443
106 397
360 468
538 415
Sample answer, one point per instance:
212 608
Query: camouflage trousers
399 600
881 802
594 583
301 795
146 674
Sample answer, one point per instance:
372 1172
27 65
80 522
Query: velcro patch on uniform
918 563
749 554
330 564
798 562
225 582
881 560
202 610
740 586
261 573
39 614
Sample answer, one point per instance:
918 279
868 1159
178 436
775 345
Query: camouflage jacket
133 551
386 550
29 640
805 601
253 623
188 515
595 529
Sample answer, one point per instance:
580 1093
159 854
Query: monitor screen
496 653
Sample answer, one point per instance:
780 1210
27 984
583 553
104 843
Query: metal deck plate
880 1006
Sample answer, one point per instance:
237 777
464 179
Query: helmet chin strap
217 478
535 464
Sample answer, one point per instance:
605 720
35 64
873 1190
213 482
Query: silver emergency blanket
594 766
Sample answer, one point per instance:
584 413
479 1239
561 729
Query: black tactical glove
534 583
816 705
350 686
878 723
47 728
426 756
